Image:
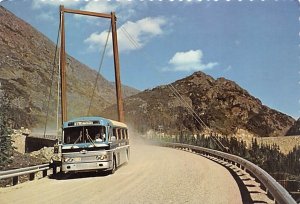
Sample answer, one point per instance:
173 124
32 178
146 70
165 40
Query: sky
255 43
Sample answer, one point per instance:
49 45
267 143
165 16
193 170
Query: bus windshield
85 134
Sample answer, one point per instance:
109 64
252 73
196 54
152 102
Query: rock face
221 104
295 129
26 62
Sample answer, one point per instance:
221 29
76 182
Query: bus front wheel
112 171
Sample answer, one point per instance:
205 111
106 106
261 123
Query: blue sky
254 43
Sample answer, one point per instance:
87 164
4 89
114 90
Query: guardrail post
45 173
270 195
262 186
15 180
54 170
31 176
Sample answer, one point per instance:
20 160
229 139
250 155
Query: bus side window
115 133
113 138
126 133
109 133
119 134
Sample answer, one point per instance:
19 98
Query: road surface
153 175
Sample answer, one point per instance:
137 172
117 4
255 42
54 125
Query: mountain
295 129
221 104
26 62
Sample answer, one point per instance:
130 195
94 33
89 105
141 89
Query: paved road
153 175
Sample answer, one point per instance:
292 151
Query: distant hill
222 105
26 58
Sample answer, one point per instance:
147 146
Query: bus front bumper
87 166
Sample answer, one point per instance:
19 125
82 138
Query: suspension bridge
157 172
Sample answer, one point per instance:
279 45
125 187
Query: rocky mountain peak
221 103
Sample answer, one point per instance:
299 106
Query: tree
6 146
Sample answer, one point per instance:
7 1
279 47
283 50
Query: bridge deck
153 175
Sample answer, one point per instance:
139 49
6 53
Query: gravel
153 175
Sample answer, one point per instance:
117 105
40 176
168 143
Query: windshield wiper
79 138
89 138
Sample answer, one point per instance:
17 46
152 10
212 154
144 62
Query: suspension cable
179 96
58 100
58 90
99 69
176 93
52 76
188 105
130 38
198 119
185 103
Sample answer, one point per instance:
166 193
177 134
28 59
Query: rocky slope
295 129
26 61
222 105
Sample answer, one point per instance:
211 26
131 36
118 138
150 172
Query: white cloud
228 68
39 3
188 61
46 16
140 31
123 8
100 6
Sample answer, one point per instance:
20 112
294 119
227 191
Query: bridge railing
273 188
31 171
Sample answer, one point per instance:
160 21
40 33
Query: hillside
295 129
222 104
26 58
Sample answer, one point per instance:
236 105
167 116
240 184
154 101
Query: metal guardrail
279 193
15 173
273 188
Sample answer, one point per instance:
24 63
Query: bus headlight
101 157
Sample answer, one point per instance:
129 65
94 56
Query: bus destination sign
79 123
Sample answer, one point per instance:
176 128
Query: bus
94 144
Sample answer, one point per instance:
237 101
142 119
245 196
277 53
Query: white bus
93 144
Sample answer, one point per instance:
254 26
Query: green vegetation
6 148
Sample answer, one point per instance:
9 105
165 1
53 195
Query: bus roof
117 123
101 120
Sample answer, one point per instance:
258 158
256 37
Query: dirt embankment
285 143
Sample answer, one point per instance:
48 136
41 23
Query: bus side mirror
113 138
